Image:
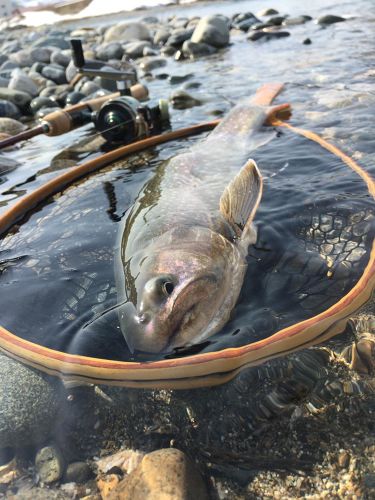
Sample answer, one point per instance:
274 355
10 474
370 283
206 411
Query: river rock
37 67
22 58
8 109
182 100
41 102
55 74
11 46
161 36
4 82
108 51
244 21
267 12
213 30
60 58
8 65
29 400
178 37
3 58
193 50
52 41
49 464
78 472
19 98
89 88
43 112
125 32
149 51
150 63
267 35
73 98
294 21
20 81
168 50
135 49
276 20
41 54
330 19
38 79
166 474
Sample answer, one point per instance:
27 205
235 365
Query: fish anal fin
240 200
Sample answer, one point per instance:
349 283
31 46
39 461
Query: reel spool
124 119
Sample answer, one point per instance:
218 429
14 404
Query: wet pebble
330 19
58 57
52 41
4 82
109 51
166 473
135 49
20 81
193 50
149 64
267 35
267 12
19 98
73 98
179 37
43 112
294 21
41 54
176 79
55 74
37 67
78 472
161 36
124 32
41 102
307 41
244 21
168 50
183 100
9 110
22 58
213 30
49 464
89 88
31 421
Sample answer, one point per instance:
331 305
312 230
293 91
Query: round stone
49 464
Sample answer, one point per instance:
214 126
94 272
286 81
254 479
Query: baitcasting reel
122 119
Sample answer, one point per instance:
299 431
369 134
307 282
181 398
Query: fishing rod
119 117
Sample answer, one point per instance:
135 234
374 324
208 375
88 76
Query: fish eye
168 287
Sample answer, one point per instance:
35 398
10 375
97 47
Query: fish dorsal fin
241 198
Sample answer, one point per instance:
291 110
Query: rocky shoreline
100 442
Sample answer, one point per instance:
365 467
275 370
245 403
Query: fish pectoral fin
241 198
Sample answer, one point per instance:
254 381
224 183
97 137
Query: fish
181 253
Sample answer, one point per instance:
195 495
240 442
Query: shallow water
315 215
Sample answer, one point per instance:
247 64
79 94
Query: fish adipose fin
240 200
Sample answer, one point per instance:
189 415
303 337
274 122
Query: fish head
180 292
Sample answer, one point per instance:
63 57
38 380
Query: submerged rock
29 403
267 35
213 30
166 473
49 464
330 19
294 21
193 50
182 100
151 63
